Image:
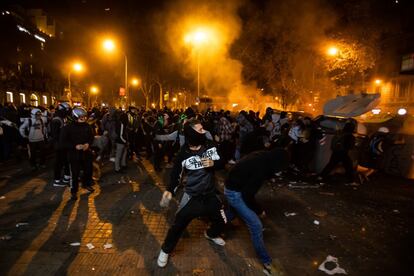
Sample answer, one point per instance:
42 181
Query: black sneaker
89 188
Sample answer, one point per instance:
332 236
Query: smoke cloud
220 74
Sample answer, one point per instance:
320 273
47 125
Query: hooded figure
193 137
197 159
34 129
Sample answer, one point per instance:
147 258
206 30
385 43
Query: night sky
138 24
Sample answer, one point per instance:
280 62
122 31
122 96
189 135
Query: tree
348 69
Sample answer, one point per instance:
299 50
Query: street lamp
109 46
135 82
94 91
196 39
332 51
76 67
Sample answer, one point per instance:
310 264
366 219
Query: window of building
34 100
44 99
53 100
404 86
18 49
31 69
22 98
19 66
42 46
9 96
31 55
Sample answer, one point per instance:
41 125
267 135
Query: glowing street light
135 82
109 46
196 39
76 67
94 90
378 81
333 51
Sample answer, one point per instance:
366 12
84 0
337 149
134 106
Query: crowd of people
254 147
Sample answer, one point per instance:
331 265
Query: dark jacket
200 180
75 134
248 175
56 125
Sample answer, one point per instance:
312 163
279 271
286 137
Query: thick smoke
220 74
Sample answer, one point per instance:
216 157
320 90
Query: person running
77 138
241 186
198 158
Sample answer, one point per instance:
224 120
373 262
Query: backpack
27 130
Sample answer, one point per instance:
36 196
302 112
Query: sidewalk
124 212
368 228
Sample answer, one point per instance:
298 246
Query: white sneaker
218 240
112 159
162 259
66 179
232 162
57 183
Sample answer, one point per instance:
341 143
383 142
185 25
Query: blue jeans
252 221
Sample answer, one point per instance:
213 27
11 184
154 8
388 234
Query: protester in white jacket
34 129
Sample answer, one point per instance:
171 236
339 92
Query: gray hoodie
37 131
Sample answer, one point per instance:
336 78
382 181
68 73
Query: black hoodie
248 175
200 180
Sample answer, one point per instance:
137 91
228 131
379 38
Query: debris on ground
327 193
396 211
320 214
5 238
287 214
107 246
22 224
90 246
75 244
2 197
302 185
335 270
332 237
316 222
197 271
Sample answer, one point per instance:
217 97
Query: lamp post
134 82
75 67
109 46
196 39
93 90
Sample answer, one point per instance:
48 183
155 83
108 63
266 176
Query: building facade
26 75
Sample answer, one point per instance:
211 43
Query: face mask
193 137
